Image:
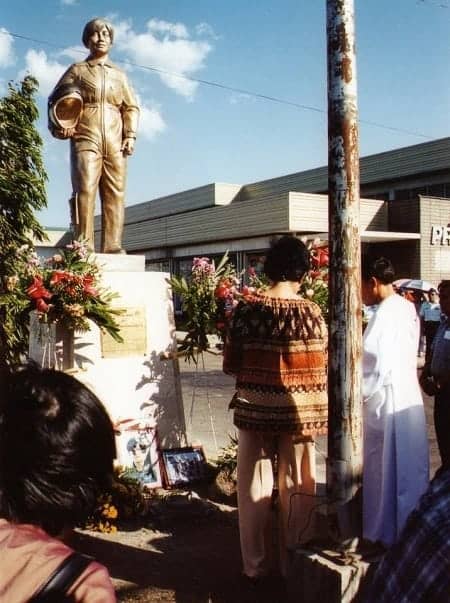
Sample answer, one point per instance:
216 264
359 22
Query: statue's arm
130 117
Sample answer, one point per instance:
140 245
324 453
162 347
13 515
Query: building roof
433 156
423 158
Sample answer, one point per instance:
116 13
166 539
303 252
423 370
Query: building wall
435 255
404 255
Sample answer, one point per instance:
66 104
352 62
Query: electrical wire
436 4
221 86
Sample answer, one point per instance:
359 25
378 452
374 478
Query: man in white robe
396 471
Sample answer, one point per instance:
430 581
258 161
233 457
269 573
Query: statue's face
99 42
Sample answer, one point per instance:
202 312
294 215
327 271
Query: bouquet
208 297
65 289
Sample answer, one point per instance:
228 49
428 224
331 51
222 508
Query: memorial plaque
133 329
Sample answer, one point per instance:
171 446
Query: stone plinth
131 379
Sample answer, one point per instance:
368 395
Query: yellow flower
112 512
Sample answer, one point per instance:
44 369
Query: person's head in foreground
444 296
377 276
287 260
56 448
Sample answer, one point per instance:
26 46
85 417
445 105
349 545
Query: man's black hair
379 267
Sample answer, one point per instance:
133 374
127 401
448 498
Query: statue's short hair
56 448
91 26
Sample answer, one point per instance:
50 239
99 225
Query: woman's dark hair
56 448
91 26
287 260
378 267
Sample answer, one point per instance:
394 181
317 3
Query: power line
242 91
436 4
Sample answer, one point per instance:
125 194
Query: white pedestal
134 383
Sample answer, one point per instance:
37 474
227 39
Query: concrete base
318 576
134 380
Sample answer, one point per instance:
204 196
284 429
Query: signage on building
440 235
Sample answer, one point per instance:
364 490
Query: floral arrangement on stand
207 297
63 289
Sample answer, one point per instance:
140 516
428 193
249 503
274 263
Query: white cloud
177 30
45 70
151 122
205 29
166 46
6 48
238 97
69 2
75 53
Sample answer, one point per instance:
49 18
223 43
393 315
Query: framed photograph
184 466
138 452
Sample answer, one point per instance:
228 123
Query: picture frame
138 452
183 466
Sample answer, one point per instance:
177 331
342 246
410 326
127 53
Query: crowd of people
57 443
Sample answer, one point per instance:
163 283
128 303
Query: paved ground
207 392
187 550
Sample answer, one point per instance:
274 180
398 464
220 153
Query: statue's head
94 25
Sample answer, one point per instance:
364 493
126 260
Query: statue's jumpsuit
110 114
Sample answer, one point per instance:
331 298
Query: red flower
42 306
221 291
58 276
37 290
88 288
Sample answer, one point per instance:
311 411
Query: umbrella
414 283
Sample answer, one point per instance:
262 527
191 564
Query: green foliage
227 459
22 192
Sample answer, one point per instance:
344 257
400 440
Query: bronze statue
94 105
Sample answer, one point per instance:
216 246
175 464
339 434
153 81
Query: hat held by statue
65 106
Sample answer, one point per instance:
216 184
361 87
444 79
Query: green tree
22 193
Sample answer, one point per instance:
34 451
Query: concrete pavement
207 391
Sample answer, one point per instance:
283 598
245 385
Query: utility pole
344 465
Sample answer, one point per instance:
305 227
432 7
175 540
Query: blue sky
192 134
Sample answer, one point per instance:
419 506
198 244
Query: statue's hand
127 147
64 133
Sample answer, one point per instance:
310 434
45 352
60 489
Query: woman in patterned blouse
276 349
